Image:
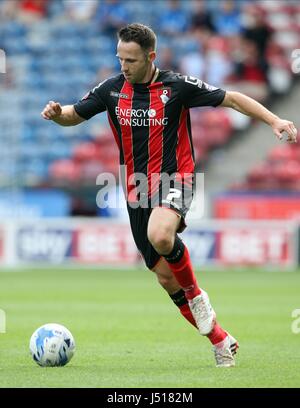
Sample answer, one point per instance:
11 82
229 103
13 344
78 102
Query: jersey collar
148 84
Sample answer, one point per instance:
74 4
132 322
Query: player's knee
161 240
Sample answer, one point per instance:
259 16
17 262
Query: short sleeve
92 103
195 92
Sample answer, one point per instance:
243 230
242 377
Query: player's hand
281 125
51 111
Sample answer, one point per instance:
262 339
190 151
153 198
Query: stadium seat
63 171
86 152
282 154
56 58
287 173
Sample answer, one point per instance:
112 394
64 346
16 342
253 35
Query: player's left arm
250 107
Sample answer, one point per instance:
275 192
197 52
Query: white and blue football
52 345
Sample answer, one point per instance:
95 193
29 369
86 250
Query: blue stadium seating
57 59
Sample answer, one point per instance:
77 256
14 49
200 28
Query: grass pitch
129 334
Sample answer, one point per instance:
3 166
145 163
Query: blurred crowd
59 49
221 41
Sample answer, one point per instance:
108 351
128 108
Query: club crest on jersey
165 94
119 95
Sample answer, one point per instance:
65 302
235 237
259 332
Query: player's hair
139 33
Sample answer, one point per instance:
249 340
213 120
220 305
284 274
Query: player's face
135 63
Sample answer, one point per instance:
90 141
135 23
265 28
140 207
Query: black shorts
139 217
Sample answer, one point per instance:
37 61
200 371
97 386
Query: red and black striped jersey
151 122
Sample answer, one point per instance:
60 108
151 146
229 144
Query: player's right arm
70 115
62 115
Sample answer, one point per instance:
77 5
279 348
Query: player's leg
162 226
224 345
139 219
168 281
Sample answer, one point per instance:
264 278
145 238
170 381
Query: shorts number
174 193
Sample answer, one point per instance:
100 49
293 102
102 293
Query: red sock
187 314
184 274
217 334
181 302
179 298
